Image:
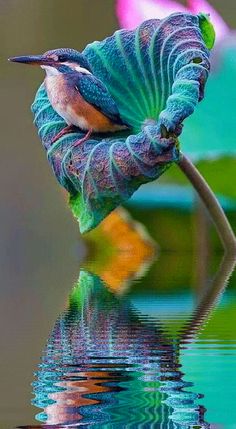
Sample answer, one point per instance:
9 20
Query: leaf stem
215 210
209 299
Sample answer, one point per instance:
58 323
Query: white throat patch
51 71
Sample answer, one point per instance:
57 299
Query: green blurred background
40 250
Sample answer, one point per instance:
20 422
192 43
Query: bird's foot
86 137
66 130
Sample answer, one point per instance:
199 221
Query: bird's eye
61 58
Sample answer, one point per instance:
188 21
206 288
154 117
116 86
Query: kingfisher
75 93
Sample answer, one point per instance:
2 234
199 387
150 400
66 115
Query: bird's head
56 61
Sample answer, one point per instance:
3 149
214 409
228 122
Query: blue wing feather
96 93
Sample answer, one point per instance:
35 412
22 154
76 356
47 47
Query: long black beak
32 60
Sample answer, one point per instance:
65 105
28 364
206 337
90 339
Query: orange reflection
130 250
68 402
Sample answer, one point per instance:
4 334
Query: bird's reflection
109 364
106 364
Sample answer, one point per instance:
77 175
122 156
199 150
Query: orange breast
97 121
71 106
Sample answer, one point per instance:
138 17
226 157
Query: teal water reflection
139 359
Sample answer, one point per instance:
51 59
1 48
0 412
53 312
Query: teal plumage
156 75
96 94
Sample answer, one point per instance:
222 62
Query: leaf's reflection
110 364
104 363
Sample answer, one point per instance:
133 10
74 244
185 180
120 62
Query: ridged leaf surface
156 74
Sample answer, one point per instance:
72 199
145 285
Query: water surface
147 355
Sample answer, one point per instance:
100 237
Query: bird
75 93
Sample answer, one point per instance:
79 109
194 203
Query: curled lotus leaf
156 74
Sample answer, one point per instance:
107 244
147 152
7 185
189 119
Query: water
140 354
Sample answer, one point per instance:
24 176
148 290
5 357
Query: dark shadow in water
108 365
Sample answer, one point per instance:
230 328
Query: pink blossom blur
131 13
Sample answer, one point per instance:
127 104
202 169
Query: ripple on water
138 360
